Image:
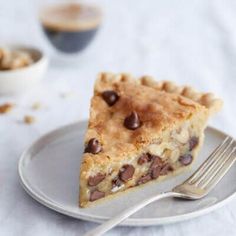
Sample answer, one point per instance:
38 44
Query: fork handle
101 229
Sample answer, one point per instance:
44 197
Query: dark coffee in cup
70 27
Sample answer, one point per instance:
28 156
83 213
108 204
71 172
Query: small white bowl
19 80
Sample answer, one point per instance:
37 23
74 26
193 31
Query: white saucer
49 172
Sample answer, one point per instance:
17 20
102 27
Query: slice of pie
140 131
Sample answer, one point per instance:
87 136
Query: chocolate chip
156 162
132 121
186 159
155 167
95 180
144 158
110 97
193 142
166 168
144 179
93 146
155 172
116 182
126 172
95 195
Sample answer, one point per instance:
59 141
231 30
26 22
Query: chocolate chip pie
140 130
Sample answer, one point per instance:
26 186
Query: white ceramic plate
49 172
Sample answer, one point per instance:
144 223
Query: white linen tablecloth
190 42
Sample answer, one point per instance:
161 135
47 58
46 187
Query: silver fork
197 186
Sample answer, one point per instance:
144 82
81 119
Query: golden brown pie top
159 105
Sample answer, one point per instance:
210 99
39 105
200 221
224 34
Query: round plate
49 172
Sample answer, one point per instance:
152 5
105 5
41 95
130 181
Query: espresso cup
70 27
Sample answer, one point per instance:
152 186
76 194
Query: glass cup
70 27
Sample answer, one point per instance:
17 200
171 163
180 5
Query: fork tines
215 167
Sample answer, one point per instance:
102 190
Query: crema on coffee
70 27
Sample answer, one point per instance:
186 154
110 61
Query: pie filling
157 160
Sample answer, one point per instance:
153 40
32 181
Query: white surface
190 42
42 169
23 79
